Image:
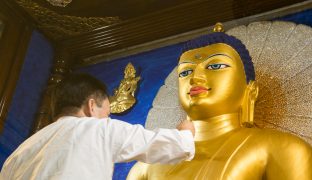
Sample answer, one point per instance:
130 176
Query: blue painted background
33 78
152 66
304 17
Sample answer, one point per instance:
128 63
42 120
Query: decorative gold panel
58 26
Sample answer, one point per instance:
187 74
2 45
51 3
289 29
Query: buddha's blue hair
220 37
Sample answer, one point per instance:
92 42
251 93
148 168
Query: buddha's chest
210 168
220 165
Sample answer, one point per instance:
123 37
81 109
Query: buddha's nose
198 77
197 80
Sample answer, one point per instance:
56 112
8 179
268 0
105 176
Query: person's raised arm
133 142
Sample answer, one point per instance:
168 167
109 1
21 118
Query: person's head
80 95
214 72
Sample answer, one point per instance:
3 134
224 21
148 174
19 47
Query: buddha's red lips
197 90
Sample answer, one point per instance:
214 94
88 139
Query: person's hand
186 125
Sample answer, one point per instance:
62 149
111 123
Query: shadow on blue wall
27 96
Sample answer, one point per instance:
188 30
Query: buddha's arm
292 161
138 171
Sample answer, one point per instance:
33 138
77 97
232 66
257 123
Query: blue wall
304 17
32 81
152 66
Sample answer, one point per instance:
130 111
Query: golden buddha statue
218 91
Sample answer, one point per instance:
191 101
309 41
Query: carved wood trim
57 26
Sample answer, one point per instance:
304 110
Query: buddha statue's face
212 81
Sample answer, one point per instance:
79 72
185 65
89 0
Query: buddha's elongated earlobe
248 105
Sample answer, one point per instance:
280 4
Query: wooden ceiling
87 28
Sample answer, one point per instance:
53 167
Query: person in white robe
84 143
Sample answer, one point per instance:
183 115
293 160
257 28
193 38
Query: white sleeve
133 142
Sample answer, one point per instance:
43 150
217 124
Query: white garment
86 148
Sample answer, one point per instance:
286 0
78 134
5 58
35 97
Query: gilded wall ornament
123 98
60 3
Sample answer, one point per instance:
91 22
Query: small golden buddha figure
123 98
217 89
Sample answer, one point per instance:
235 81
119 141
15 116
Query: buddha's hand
186 125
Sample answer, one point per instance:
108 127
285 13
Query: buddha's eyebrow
185 62
212 55
218 54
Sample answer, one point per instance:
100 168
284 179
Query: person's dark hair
74 91
220 37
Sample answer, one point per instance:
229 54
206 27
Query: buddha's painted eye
217 66
185 73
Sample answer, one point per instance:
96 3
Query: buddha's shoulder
272 138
